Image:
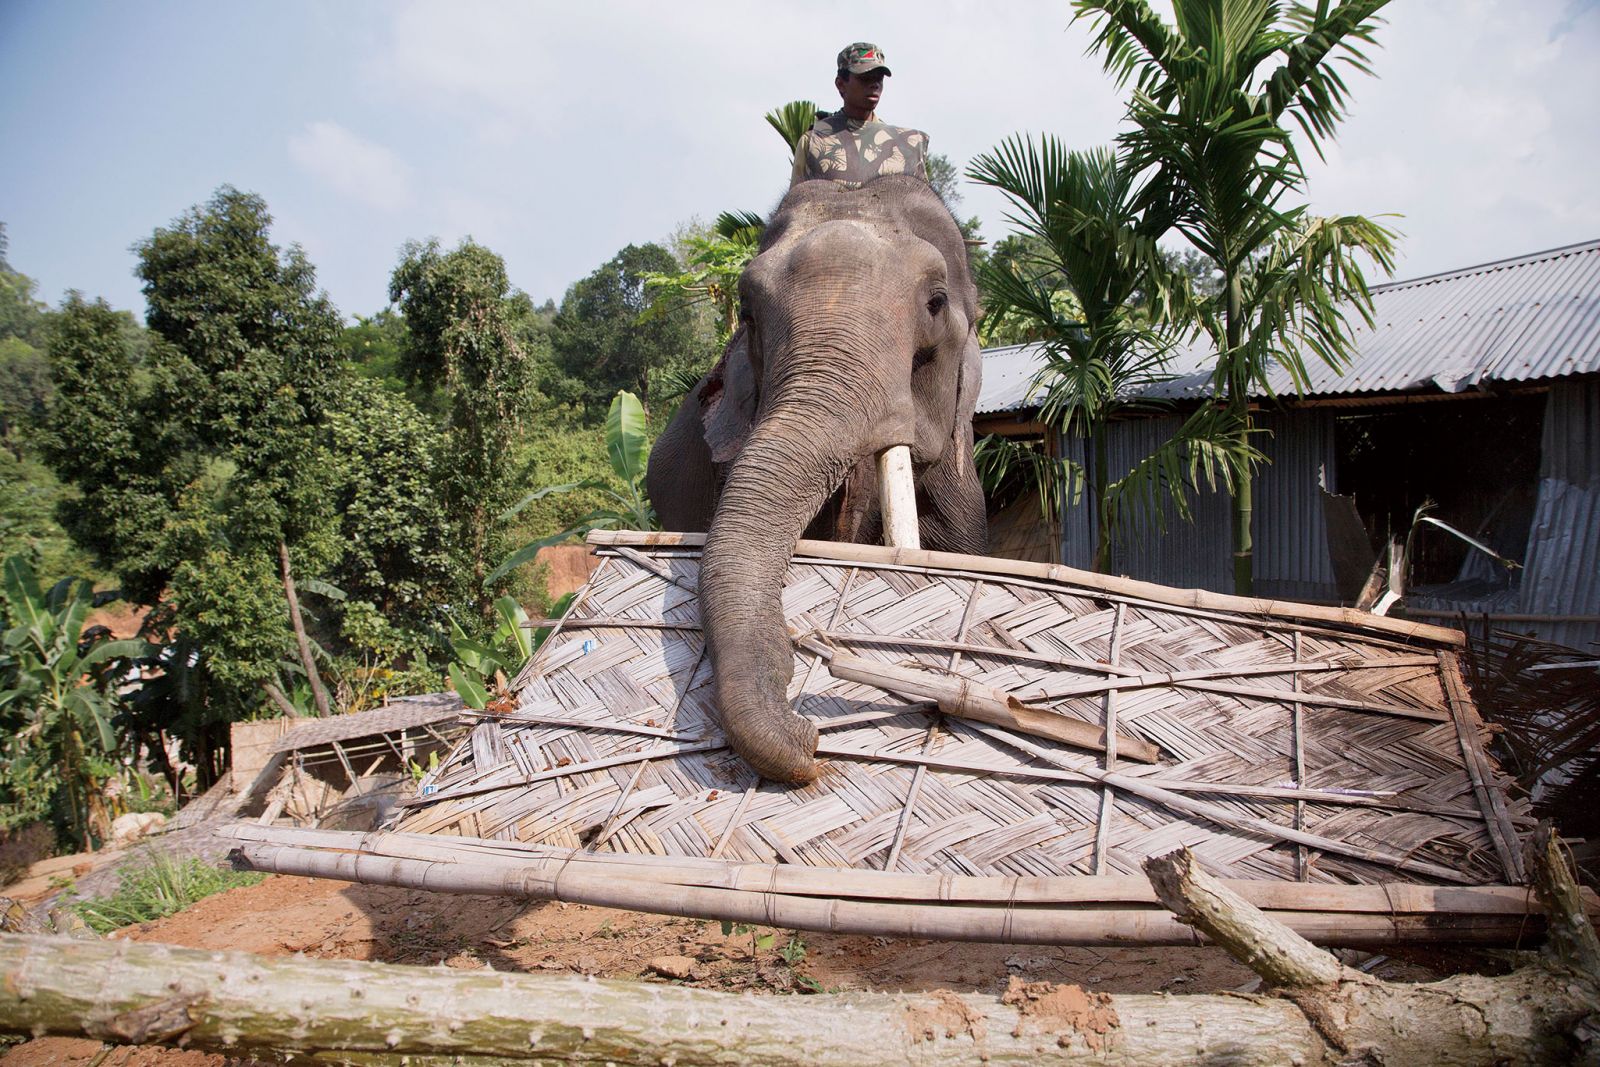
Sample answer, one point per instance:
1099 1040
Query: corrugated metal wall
1291 540
1563 560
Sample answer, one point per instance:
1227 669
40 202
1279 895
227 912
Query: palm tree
1212 93
1088 288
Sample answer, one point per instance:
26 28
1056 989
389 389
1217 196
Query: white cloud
352 165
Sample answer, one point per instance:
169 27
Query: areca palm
1213 94
1082 213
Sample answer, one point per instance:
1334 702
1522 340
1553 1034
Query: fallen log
1315 1010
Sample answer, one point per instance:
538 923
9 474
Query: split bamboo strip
1274 623
961 630
614 622
736 819
1102 827
1176 679
833 620
1390 898
913 792
660 571
620 726
536 661
1007 924
1267 693
1148 592
966 699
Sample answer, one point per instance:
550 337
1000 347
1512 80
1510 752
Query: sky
557 133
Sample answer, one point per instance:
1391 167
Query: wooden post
897 496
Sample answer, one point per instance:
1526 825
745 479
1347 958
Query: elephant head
857 334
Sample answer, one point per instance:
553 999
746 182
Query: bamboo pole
897 498
1392 898
1469 733
1005 923
966 699
1148 592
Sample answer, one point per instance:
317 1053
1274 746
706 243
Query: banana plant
627 447
478 667
57 696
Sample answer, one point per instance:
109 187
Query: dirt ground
337 920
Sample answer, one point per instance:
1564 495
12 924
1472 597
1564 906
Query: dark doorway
1476 460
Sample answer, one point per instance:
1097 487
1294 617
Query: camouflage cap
861 57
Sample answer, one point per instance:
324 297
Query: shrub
159 887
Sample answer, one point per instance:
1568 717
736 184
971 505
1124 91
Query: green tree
945 178
602 338
1214 92
385 466
22 314
462 320
715 259
201 464
25 387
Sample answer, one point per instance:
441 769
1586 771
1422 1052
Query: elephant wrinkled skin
857 335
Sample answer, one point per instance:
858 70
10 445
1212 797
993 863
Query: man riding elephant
851 146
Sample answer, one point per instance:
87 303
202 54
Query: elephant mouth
850 514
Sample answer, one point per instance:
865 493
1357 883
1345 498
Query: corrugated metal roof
1525 319
1007 375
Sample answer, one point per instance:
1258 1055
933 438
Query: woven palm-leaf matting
1267 719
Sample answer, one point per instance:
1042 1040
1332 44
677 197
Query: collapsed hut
1005 744
345 770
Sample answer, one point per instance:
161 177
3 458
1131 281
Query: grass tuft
160 887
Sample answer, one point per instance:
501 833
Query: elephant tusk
897 497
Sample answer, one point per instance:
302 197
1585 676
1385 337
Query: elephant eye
936 303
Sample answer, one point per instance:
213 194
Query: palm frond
1211 449
742 227
792 120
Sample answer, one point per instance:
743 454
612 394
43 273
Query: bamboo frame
1149 592
943 795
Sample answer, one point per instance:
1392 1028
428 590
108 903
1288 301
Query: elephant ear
728 400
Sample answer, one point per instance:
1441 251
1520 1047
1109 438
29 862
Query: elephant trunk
787 470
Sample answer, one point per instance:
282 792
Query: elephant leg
681 479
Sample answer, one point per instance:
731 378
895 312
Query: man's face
860 92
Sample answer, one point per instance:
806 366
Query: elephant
857 333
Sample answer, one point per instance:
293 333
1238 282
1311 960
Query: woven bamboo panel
1364 740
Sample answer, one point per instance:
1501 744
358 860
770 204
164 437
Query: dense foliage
290 505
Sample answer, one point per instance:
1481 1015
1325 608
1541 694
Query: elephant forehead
858 243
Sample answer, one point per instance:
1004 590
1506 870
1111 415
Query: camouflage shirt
853 151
